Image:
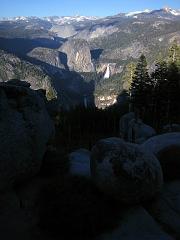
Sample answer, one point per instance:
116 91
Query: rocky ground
118 190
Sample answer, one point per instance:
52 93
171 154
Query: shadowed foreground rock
125 171
166 147
138 132
166 208
25 129
132 129
137 224
80 163
171 128
124 124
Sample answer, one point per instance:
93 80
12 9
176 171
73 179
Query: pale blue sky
81 7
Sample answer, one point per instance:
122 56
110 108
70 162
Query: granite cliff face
47 55
12 67
78 55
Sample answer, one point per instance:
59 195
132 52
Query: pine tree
174 54
128 76
173 85
173 93
159 79
141 87
166 97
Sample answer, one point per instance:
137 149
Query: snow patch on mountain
69 19
62 20
172 11
53 19
166 10
130 14
18 18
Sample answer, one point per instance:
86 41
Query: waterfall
107 73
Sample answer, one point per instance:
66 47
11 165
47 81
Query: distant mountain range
70 19
75 52
159 12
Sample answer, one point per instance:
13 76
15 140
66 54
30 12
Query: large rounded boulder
124 124
125 171
25 130
171 128
138 132
79 162
166 208
166 147
132 129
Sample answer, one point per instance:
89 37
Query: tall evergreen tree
128 76
173 84
174 54
166 78
141 87
173 93
159 79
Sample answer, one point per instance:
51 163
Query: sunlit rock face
13 67
78 55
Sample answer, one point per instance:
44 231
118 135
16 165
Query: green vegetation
141 86
128 75
174 54
51 93
156 98
113 85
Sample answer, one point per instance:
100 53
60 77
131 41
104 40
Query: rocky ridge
91 44
12 67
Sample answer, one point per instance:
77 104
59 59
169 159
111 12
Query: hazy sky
81 7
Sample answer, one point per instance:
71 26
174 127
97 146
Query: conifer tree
174 54
173 83
166 78
141 87
159 79
173 93
128 76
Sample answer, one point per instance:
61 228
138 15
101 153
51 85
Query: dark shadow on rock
96 53
21 46
63 59
123 98
122 102
169 160
73 90
17 82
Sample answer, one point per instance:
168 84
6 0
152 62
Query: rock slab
25 130
125 171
